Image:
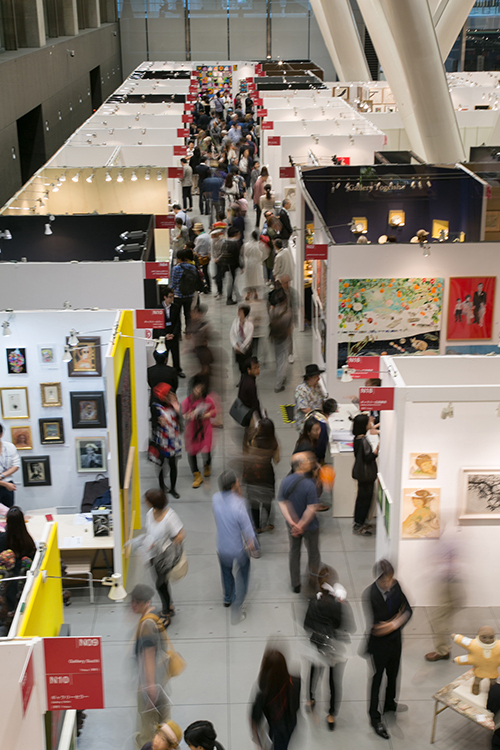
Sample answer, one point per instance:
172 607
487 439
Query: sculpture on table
484 655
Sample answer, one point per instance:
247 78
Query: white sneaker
291 359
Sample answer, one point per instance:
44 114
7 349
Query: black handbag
92 491
364 469
241 413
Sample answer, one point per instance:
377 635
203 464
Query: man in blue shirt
235 534
298 502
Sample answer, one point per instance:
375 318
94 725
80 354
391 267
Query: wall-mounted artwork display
480 499
16 361
36 471
51 394
470 307
88 410
213 78
440 229
380 495
124 415
476 349
91 454
48 356
421 513
376 96
389 316
388 95
85 357
387 514
423 465
21 438
15 403
51 431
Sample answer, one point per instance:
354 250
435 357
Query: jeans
311 540
185 303
281 350
187 197
7 496
219 277
363 502
235 591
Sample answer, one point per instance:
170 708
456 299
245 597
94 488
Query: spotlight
48 229
5 235
6 330
428 183
73 338
413 185
76 177
427 251
448 412
120 177
108 177
346 375
90 177
55 189
147 176
420 184
158 175
136 235
67 354
161 348
62 178
134 177
117 592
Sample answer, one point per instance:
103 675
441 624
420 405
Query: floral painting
389 316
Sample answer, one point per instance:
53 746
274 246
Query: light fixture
147 176
73 338
90 177
67 354
48 230
5 235
137 234
120 177
76 177
346 375
108 177
6 330
448 412
117 591
428 183
158 175
55 189
161 348
427 251
134 177
62 178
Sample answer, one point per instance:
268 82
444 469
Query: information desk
458 697
75 538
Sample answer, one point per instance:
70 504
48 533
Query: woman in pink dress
199 410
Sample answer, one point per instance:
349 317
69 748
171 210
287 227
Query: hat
312 370
162 390
199 226
172 732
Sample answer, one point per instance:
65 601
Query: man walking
387 611
280 331
286 224
298 500
235 535
9 464
187 185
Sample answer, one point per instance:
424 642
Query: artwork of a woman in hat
423 523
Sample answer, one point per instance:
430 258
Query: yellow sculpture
484 655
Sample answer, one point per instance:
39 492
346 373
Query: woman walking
258 474
364 471
254 253
258 191
199 410
168 429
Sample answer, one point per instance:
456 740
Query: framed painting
470 307
21 438
85 357
421 513
15 403
51 394
124 415
36 471
51 431
480 495
16 361
47 356
91 454
423 465
387 514
87 410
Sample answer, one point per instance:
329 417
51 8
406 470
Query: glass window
132 15
208 23
290 29
166 30
247 29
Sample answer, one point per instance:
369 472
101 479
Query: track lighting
67 354
134 177
135 235
108 177
76 177
413 184
147 176
346 375
62 178
6 330
5 235
427 251
158 175
428 183
48 229
448 412
90 177
120 177
55 189
73 338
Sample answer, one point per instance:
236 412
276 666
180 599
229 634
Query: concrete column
452 17
34 23
68 17
412 29
340 33
93 14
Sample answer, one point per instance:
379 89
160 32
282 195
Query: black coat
162 374
286 225
377 610
175 320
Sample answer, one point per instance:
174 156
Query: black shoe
231 302
399 708
379 729
174 493
181 374
296 589
278 390
227 604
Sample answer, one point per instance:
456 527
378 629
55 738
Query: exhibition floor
223 660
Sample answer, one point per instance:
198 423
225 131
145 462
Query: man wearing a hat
203 248
308 395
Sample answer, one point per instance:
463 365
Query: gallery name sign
376 399
364 367
377 188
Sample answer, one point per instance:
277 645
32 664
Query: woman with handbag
164 536
167 438
364 472
330 620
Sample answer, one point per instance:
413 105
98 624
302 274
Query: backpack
190 282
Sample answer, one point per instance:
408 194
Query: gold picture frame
51 394
15 403
21 437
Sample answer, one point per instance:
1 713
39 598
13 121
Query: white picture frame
48 356
480 495
15 403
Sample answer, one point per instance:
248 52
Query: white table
74 540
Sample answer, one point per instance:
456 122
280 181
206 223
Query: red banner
364 367
316 252
345 160
180 150
73 669
182 133
191 97
175 172
187 118
259 101
268 125
157 270
165 221
249 79
274 140
262 113
27 680
150 318
376 399
287 172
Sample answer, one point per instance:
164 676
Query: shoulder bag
241 413
174 664
180 569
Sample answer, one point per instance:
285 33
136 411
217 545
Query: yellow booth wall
43 615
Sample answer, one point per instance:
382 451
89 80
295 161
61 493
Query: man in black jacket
203 171
172 328
247 392
230 260
387 611
286 224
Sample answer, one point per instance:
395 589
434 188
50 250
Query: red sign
187 118
376 399
73 669
175 172
274 140
268 125
182 133
27 681
317 252
261 73
188 108
166 221
191 97
193 87
364 367
249 79
180 150
287 172
345 160
259 101
157 270
262 113
252 87
150 318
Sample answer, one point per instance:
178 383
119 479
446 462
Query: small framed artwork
480 496
47 356
51 394
85 357
91 454
15 403
51 431
376 96
21 438
88 410
16 361
36 471
378 108
423 465
440 229
421 513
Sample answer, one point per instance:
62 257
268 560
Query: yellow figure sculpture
484 655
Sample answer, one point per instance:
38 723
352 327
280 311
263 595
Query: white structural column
448 21
338 27
413 32
387 53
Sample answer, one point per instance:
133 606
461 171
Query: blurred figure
235 535
241 337
286 224
160 373
247 389
201 334
199 410
308 395
280 332
167 433
230 262
164 536
364 472
258 473
329 407
298 499
259 316
283 260
254 252
152 702
329 619
277 701
386 611
293 304
202 249
201 735
450 593
167 737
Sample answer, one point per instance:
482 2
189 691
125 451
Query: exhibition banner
150 318
316 252
274 140
182 132
262 113
174 172
364 367
287 172
73 673
157 270
376 399
180 150
268 125
165 221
